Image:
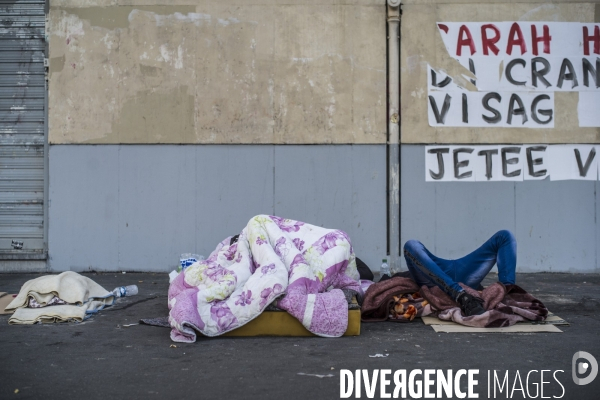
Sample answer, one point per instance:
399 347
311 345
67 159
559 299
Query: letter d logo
583 367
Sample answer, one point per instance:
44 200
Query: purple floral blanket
300 266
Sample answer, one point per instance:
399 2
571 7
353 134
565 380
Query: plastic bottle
125 291
385 268
187 259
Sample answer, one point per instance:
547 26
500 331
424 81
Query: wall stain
148 70
154 117
57 64
118 17
233 72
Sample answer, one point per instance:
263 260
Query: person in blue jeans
426 269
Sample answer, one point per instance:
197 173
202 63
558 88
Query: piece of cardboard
550 320
436 321
5 300
517 328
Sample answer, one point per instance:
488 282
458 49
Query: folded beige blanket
84 296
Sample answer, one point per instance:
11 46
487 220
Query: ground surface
101 359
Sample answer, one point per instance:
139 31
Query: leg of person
500 249
429 270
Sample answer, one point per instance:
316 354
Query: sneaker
470 305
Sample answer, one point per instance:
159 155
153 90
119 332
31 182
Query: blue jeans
429 270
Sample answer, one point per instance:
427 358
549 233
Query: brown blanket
401 300
379 298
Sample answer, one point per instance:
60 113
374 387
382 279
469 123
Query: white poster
488 167
518 66
493 163
588 109
574 162
437 164
492 109
511 161
536 162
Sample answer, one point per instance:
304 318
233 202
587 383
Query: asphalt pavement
102 358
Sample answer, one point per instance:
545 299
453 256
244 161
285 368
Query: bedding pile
58 298
301 267
505 305
399 299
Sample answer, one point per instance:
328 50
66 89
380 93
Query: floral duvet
301 267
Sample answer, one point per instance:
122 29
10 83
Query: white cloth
84 296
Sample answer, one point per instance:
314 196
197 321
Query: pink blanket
300 266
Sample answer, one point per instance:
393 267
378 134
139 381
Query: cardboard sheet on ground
549 325
509 329
551 320
5 299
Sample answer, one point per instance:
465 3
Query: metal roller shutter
22 127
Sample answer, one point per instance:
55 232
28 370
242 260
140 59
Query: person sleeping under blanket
426 269
364 271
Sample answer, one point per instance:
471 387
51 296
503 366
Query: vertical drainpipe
393 21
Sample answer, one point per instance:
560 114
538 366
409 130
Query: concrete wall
208 71
132 79
422 44
556 224
129 78
137 207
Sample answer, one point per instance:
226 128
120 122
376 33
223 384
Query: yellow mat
280 323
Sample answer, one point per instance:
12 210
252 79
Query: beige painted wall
228 71
421 44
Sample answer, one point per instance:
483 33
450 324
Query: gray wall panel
556 226
555 223
450 219
340 187
233 183
83 209
137 207
417 201
369 204
156 206
470 213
